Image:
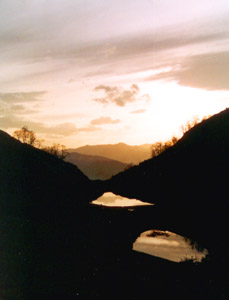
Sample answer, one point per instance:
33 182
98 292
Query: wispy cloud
14 107
22 97
9 121
207 71
89 128
21 109
138 111
46 42
25 42
120 96
104 121
63 129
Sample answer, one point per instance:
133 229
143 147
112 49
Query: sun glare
173 105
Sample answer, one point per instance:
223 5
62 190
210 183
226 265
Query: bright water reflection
112 200
167 245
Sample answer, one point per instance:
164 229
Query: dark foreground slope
96 167
42 202
188 182
54 245
27 173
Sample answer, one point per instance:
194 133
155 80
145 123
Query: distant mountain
189 182
121 152
95 167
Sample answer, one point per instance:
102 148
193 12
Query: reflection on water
167 245
112 200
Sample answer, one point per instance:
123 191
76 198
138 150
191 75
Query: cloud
21 109
89 128
22 97
18 103
119 96
104 121
9 121
14 111
207 71
52 47
18 108
138 111
63 129
27 43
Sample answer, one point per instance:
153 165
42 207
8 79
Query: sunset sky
96 72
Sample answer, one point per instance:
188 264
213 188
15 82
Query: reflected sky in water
167 245
112 200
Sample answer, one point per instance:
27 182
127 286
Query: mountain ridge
121 152
95 167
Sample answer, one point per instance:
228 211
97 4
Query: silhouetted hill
188 182
95 167
43 203
29 173
121 152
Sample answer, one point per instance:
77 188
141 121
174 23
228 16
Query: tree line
27 136
160 147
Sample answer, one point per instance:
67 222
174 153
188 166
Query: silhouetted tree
25 135
39 143
128 166
29 137
57 150
191 123
160 147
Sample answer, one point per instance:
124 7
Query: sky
83 72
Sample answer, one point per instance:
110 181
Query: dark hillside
43 203
27 173
189 181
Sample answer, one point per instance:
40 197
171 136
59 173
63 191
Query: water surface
113 200
168 245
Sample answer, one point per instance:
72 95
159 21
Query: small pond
168 245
